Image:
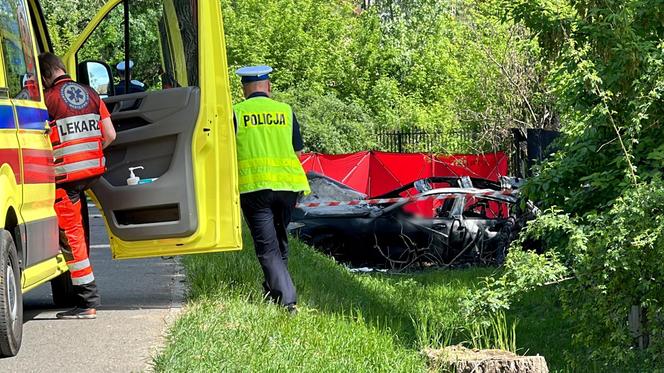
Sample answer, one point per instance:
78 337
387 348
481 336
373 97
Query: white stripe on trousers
77 266
83 280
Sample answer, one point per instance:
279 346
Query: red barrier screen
375 173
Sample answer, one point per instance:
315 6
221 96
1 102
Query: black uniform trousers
268 213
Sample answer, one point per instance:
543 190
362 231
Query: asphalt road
139 298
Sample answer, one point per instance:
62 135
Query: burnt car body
434 221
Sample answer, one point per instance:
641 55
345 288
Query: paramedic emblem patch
74 95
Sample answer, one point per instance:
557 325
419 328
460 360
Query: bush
621 266
438 66
329 125
604 185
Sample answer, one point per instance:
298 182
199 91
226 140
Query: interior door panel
154 130
183 136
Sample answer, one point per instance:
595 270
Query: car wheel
330 244
504 240
11 297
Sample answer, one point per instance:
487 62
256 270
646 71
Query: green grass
347 322
541 328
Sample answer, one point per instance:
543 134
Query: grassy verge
347 322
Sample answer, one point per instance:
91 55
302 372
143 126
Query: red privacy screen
375 173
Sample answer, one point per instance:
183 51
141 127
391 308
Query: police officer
135 86
270 177
80 128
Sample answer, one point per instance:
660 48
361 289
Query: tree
66 21
429 65
603 189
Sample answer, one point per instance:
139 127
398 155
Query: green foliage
606 63
498 333
524 271
622 265
66 20
237 336
330 125
431 65
447 67
615 261
347 321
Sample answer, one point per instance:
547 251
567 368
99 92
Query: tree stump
459 359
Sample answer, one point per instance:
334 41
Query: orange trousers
72 237
73 241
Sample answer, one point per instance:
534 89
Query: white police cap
121 66
254 73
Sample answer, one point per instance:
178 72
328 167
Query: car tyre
503 242
11 297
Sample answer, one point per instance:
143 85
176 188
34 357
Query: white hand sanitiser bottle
133 179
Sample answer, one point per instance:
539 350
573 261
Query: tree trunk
459 359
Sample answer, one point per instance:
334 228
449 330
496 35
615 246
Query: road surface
139 298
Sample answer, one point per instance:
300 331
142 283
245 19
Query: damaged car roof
333 196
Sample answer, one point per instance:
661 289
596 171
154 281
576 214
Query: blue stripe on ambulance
30 118
6 117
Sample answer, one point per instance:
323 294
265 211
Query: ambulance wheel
11 298
63 291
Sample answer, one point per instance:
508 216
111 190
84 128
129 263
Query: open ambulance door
175 122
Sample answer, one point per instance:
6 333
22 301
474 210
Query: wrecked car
439 221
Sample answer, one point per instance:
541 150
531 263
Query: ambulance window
18 51
163 45
105 44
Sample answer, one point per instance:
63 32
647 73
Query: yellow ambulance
177 128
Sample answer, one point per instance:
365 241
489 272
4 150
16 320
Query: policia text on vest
263 119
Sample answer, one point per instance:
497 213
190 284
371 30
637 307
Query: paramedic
80 128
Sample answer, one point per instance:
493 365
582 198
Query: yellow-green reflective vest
266 159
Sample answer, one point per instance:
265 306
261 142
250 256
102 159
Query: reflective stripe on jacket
266 159
76 132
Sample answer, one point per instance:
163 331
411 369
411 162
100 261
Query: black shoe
78 313
291 309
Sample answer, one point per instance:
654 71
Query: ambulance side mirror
98 75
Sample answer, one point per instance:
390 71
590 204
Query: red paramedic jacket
75 111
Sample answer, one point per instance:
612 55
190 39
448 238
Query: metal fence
410 141
524 148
